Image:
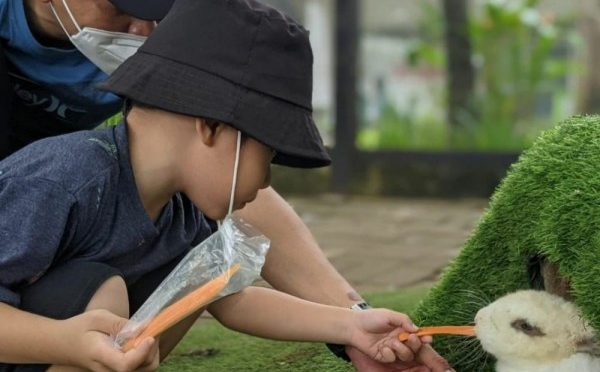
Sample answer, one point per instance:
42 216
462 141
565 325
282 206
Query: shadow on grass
211 347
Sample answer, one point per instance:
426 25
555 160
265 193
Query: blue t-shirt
57 82
73 197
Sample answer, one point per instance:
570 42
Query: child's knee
112 296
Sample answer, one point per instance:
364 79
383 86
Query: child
92 221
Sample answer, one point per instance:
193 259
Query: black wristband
340 350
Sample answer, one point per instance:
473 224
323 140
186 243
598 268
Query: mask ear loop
70 15
235 170
235 173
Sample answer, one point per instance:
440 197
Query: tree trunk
346 120
589 95
461 75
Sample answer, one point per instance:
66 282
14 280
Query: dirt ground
380 244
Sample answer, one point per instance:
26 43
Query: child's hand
376 334
88 336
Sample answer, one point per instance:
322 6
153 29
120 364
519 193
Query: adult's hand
426 360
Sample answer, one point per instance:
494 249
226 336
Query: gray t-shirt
74 197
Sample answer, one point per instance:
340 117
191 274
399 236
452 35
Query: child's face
210 188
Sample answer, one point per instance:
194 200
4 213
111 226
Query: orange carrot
440 330
183 307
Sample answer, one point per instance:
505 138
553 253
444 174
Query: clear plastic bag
232 256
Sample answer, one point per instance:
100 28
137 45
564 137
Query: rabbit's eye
524 326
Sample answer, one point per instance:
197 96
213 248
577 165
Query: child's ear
207 130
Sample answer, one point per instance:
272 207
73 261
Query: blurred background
438 97
425 105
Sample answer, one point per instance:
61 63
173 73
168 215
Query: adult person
52 89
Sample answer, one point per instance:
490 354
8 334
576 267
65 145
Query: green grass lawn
211 347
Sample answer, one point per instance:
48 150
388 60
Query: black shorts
66 290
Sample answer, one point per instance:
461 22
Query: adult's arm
295 263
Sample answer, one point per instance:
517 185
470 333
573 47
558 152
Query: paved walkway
389 243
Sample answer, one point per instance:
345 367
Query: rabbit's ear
588 345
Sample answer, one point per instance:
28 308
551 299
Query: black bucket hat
236 61
152 10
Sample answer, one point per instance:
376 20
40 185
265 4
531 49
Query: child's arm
81 341
271 314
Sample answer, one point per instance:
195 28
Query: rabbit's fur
535 331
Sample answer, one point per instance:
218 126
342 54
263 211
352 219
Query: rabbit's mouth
489 345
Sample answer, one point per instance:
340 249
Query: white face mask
105 49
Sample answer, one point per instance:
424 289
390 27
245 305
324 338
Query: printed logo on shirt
42 99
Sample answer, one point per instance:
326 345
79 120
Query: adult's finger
386 355
429 357
414 343
403 352
415 369
426 339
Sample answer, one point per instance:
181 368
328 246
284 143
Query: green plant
521 57
517 47
395 130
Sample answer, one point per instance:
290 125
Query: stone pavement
379 244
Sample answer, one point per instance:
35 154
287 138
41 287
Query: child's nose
141 27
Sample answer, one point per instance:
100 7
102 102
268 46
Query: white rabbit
535 331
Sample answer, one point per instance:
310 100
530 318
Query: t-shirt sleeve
34 222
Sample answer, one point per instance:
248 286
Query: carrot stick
183 307
440 330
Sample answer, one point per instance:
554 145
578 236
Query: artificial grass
211 347
549 204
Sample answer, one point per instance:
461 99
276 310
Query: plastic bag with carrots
226 262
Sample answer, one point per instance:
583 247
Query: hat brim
172 86
151 10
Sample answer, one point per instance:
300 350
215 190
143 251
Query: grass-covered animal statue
541 231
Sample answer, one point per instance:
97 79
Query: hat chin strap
235 172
